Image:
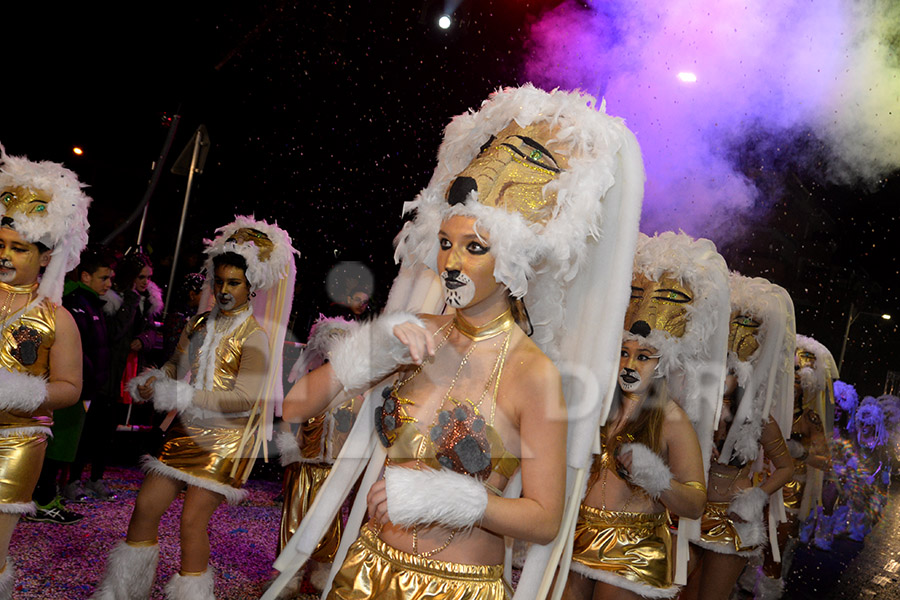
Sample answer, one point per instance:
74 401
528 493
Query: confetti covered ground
66 561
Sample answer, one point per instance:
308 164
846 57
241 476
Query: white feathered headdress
535 258
694 363
767 376
814 380
270 256
818 396
61 224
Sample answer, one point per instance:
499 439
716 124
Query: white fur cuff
748 504
288 449
172 394
21 391
193 587
370 352
141 379
648 470
433 497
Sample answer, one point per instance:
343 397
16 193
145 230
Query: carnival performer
862 467
814 372
471 424
307 457
758 393
223 413
43 229
846 400
656 443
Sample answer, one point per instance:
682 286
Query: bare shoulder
675 421
530 369
674 413
65 322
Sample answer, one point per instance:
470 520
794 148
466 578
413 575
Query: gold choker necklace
11 292
490 329
18 289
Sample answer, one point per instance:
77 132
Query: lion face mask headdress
761 355
533 169
44 202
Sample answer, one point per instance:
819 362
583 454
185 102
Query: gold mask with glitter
742 332
805 358
512 169
262 242
661 304
25 201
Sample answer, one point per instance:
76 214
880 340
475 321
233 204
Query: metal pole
154 179
141 227
184 209
850 319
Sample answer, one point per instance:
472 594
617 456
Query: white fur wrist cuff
648 470
141 379
21 391
748 504
171 394
288 448
370 352
433 497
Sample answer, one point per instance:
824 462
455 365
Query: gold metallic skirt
373 569
206 453
301 484
629 550
21 458
717 528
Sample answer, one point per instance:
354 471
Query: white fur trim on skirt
644 590
151 464
727 549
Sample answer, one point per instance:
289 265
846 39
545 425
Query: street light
851 318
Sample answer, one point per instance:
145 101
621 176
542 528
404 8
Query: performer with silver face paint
223 414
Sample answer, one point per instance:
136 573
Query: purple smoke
766 71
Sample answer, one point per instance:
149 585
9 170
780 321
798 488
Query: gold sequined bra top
460 439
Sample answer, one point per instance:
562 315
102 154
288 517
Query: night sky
327 116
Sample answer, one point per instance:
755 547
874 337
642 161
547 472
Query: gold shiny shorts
21 458
301 484
207 453
716 527
629 550
373 569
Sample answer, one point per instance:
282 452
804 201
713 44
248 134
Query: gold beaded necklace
501 324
